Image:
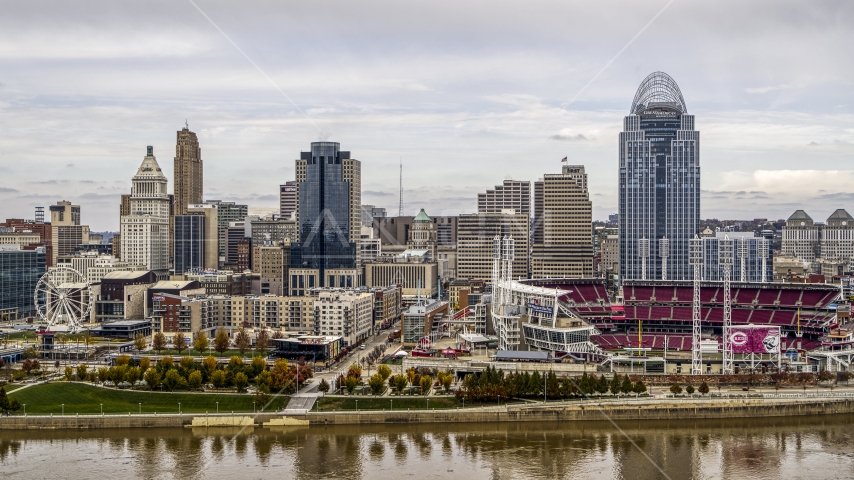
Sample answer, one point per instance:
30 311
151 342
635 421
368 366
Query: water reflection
751 448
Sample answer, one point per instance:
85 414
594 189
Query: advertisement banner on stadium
755 339
535 307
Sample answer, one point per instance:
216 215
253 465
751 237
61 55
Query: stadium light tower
496 269
725 258
643 252
663 252
695 258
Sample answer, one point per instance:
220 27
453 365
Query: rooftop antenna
400 207
186 124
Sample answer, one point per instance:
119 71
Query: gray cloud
569 138
7 190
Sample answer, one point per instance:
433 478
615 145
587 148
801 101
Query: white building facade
145 232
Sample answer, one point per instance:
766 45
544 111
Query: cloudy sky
467 94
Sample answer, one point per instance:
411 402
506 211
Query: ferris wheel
62 298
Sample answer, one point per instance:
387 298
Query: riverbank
635 410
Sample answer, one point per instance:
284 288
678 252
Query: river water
791 448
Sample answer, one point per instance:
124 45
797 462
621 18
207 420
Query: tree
400 382
240 381
221 341
689 389
30 353
69 373
675 389
218 378
262 341
174 380
139 342
324 386
446 380
166 363
241 340
158 343
201 342
144 364
384 371
426 383
152 378
103 374
195 379
264 379
616 385
639 387
262 397
825 376
132 375
6 404
180 342
627 386
351 383
377 384
704 388
81 372
209 364
602 385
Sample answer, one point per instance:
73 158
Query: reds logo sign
738 338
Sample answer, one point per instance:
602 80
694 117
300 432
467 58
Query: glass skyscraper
328 201
659 196
20 271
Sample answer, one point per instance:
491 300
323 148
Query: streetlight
63 409
391 404
140 408
357 404
102 409
179 407
217 407
25 409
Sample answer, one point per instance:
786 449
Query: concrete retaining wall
629 410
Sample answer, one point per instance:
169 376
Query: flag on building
563 160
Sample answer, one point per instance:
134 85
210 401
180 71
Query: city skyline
771 91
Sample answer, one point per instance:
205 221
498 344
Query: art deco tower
145 231
659 194
188 171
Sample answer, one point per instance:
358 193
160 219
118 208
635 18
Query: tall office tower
475 235
563 246
513 194
227 213
659 194
189 179
287 198
329 189
145 231
837 237
189 243
67 234
800 238
422 236
752 256
20 271
210 235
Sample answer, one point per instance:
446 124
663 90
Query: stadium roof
520 355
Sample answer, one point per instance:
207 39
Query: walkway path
303 401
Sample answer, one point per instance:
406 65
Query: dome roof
658 92
422 217
799 216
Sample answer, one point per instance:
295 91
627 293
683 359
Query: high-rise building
189 243
20 271
563 242
269 230
210 235
801 238
837 237
287 198
748 253
189 179
67 234
475 236
329 188
145 231
271 263
511 195
226 213
659 176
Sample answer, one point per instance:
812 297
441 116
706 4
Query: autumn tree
180 342
241 381
81 372
194 380
384 371
173 380
218 378
704 388
139 342
201 342
377 384
221 341
426 383
350 383
400 383
675 389
242 341
158 343
152 378
262 341
69 373
324 386
689 389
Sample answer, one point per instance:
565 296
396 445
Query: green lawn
372 403
86 399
